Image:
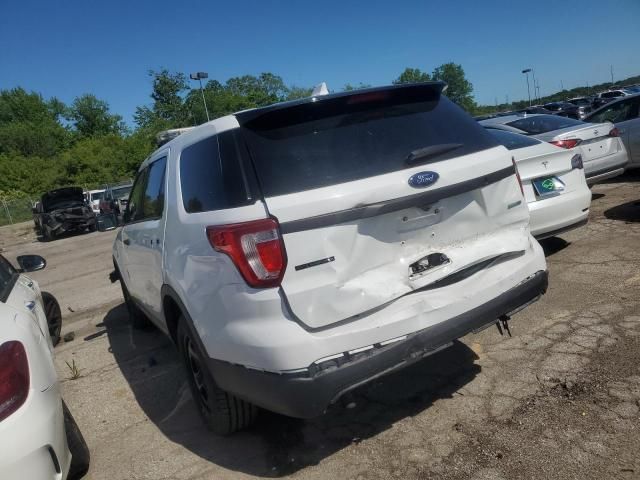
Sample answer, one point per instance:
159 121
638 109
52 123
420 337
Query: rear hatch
381 193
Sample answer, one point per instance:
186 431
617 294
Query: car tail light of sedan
256 248
568 144
14 377
614 132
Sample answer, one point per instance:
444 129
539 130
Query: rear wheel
54 316
222 412
80 456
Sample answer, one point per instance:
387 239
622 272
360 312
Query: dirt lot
560 399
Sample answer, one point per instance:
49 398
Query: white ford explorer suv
296 251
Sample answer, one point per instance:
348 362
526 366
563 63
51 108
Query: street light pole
526 72
535 85
199 76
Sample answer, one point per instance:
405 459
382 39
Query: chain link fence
16 210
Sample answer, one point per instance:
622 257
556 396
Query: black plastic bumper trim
307 396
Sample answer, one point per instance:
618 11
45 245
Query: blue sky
66 48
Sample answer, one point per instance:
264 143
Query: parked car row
70 209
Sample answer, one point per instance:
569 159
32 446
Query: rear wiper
431 151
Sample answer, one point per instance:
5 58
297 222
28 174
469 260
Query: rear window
543 123
340 140
213 174
512 141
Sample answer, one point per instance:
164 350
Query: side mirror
31 263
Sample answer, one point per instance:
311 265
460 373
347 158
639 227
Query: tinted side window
153 202
618 112
215 173
135 210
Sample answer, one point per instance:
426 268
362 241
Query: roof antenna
320 89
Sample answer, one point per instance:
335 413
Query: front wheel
222 412
54 316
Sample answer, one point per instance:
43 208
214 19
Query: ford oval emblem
423 179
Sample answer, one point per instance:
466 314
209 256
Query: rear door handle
126 241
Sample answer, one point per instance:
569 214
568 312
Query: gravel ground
560 399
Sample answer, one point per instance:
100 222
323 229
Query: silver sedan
625 114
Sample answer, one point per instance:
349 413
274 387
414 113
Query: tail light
568 144
614 132
14 377
256 249
576 162
515 167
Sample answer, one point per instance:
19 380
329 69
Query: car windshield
342 140
512 141
97 196
543 123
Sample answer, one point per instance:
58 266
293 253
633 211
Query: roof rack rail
166 136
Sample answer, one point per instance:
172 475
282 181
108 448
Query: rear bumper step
308 394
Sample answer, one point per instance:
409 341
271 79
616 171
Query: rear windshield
512 141
326 143
543 124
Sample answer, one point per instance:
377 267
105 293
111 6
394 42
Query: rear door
377 195
143 235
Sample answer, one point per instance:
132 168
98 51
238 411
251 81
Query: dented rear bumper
307 393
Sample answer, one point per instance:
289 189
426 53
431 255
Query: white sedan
553 183
603 152
38 436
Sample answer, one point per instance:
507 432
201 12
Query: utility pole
537 89
561 86
535 85
526 72
611 66
199 76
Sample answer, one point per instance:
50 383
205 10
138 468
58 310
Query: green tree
412 75
168 108
296 93
90 117
459 89
29 125
349 87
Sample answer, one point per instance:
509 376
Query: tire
92 227
222 412
54 316
136 317
80 456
